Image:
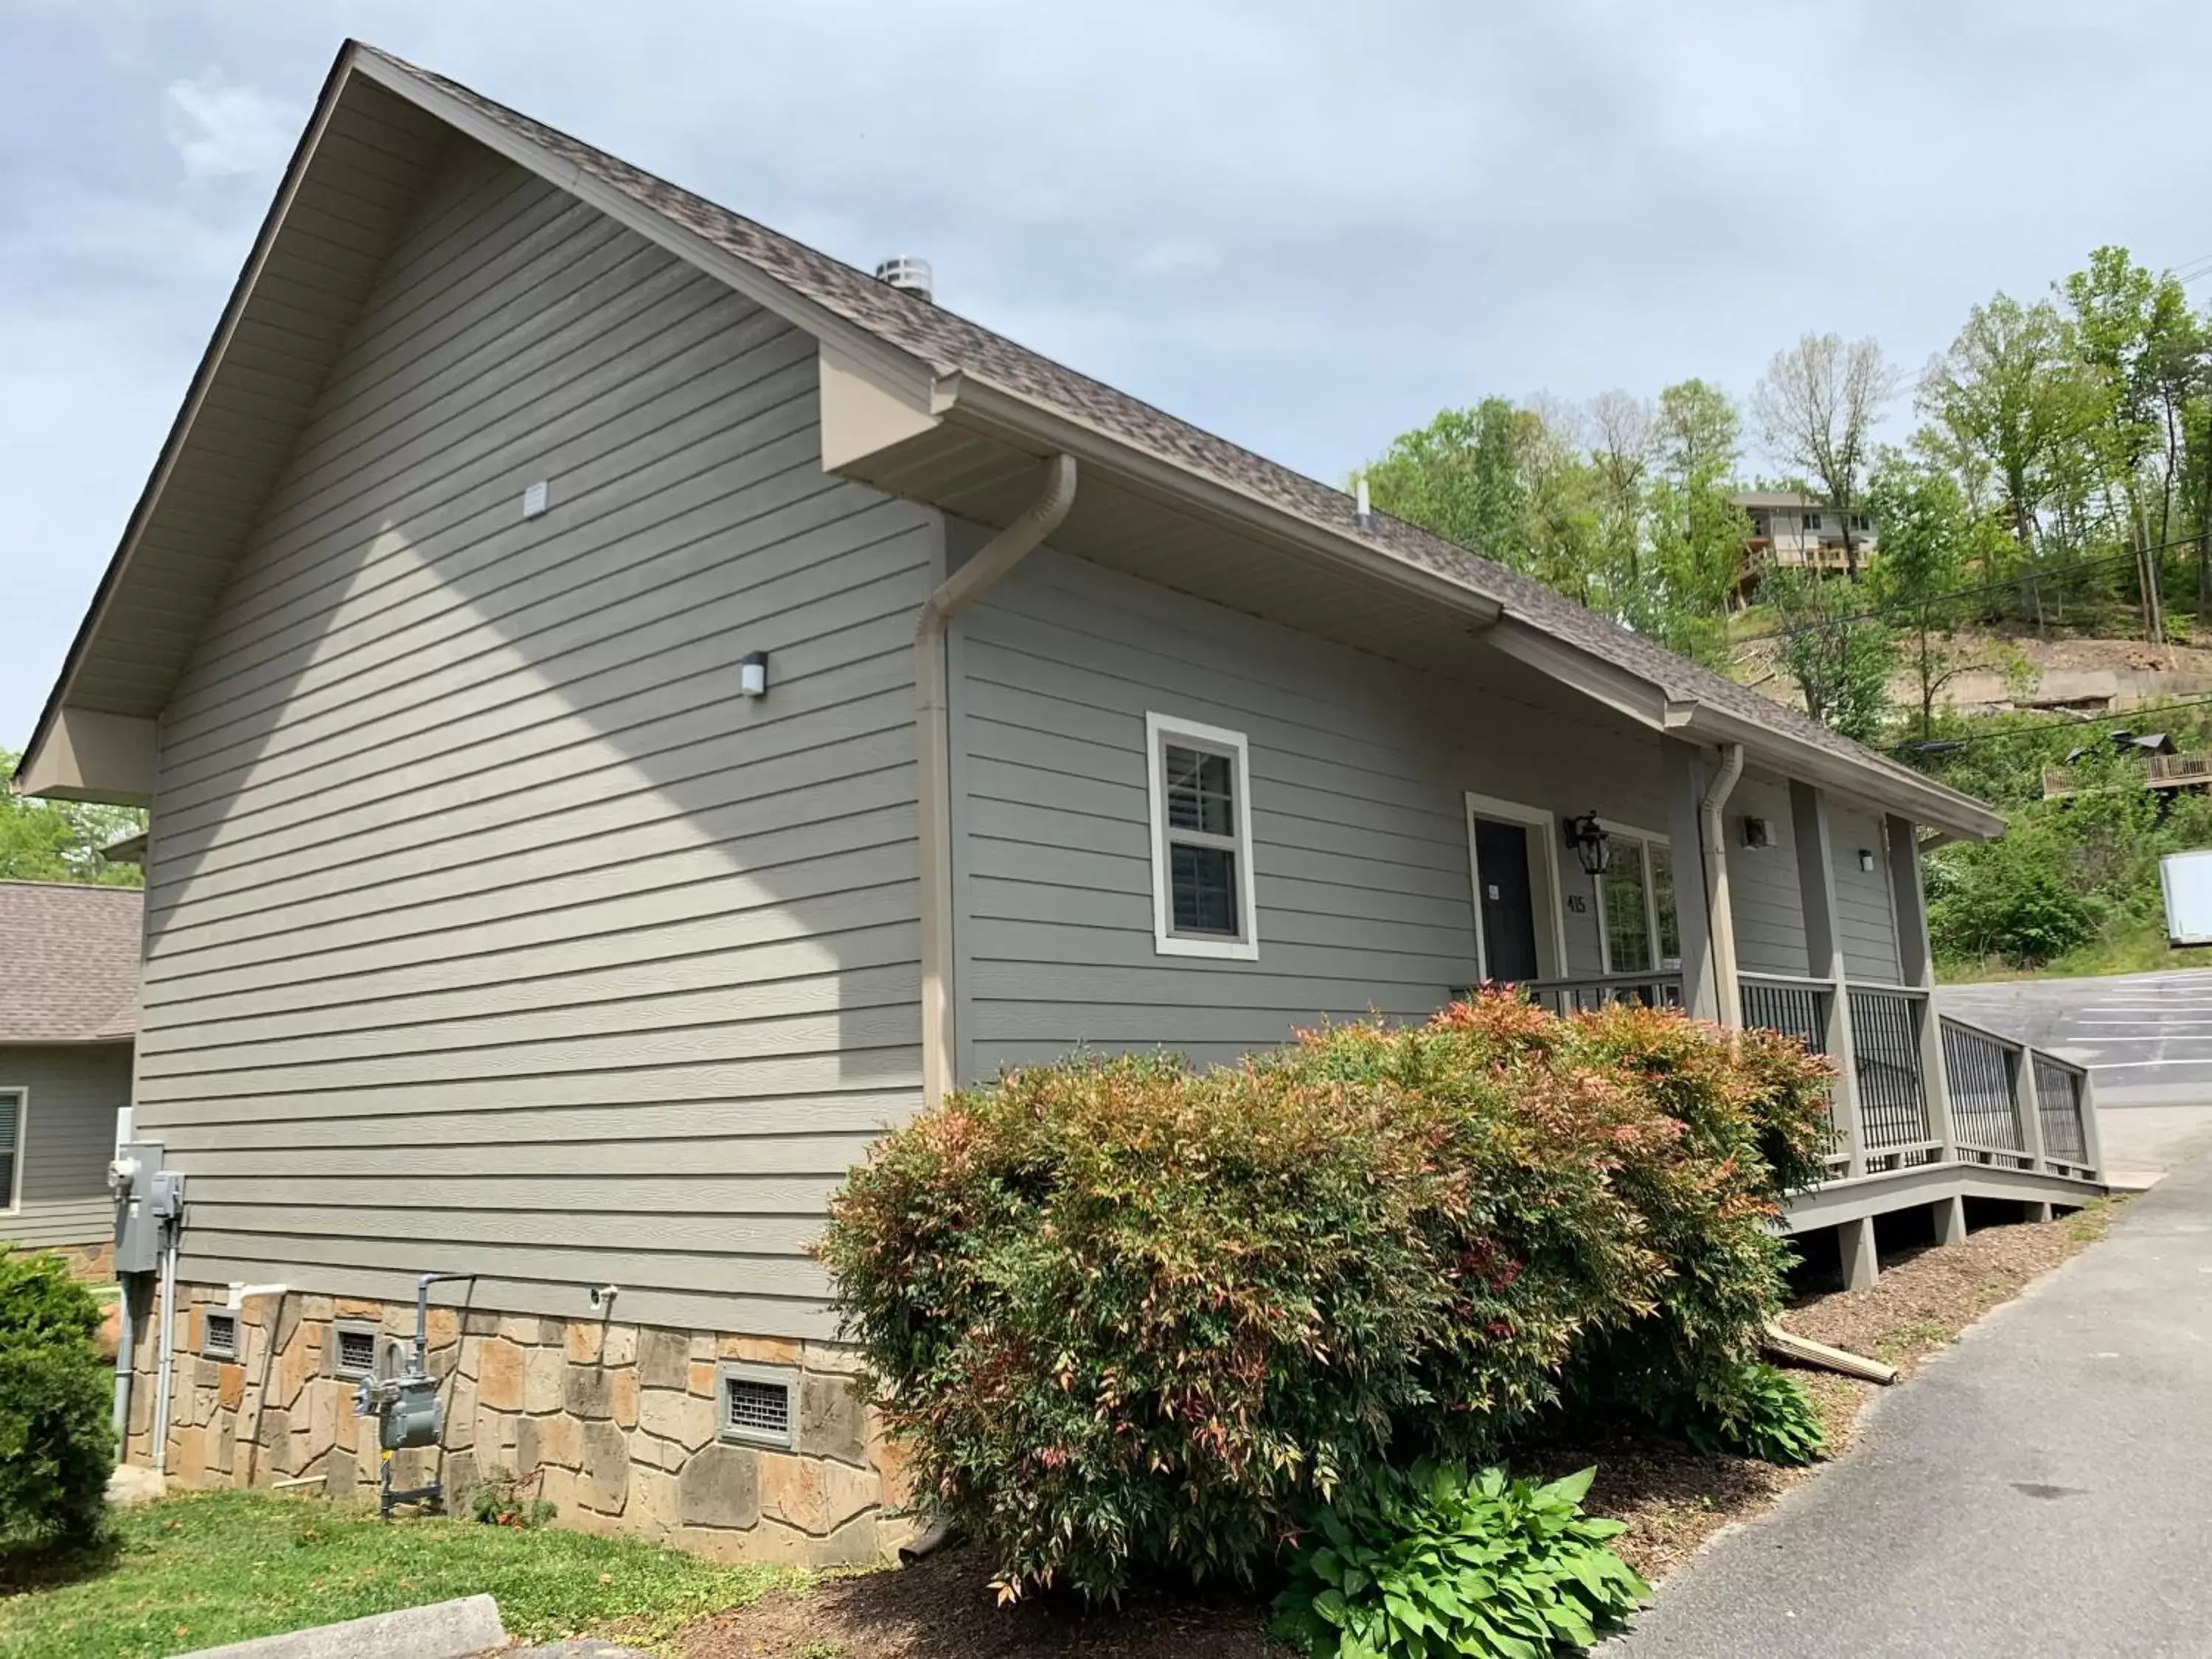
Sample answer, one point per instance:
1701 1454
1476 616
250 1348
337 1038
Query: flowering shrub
1123 1310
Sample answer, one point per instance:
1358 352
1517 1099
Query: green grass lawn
213 1567
2141 949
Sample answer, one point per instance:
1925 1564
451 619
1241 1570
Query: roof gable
70 971
381 124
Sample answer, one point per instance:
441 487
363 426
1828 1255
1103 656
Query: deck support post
1916 963
1950 1219
1862 1262
1824 960
2037 1209
1682 767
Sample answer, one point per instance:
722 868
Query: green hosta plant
1438 1561
1767 1415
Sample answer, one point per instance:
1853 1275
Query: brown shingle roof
950 344
69 962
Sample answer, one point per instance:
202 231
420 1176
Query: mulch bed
1672 1498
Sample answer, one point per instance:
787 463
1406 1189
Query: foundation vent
219 1341
356 1353
760 1406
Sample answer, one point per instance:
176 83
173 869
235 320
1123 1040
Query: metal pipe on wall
934 757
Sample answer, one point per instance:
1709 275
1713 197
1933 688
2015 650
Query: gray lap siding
490 928
70 1095
1360 771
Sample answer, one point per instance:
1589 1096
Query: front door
1508 901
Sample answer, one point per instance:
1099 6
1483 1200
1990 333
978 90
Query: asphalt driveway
2043 1490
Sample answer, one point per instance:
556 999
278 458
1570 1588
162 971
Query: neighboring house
631 707
69 1008
1796 532
2166 770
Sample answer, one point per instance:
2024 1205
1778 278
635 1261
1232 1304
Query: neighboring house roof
826 295
69 963
1782 498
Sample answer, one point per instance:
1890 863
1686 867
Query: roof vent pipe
1362 514
908 276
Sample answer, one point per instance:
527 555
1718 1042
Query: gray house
69 1009
630 707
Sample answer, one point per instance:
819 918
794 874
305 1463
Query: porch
1927 1108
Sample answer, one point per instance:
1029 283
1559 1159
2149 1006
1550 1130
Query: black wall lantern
1592 845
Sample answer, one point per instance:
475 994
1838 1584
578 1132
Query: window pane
1201 791
1204 890
1662 893
11 1120
1627 925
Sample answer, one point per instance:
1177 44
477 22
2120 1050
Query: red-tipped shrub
1122 1310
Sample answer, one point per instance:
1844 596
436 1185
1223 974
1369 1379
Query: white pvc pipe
239 1293
168 1352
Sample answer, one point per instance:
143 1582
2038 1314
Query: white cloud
224 131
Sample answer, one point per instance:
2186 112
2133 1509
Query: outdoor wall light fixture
752 674
1592 845
1866 859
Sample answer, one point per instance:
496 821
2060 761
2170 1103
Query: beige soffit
901 364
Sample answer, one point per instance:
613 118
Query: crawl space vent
356 1351
756 1408
220 1341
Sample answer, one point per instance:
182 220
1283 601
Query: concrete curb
444 1630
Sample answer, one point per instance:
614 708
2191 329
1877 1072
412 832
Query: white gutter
934 757
1720 910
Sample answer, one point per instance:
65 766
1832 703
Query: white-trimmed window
1201 789
13 1110
1637 921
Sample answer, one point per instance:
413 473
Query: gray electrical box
410 1417
148 1199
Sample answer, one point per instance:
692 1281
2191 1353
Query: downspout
933 756
1721 912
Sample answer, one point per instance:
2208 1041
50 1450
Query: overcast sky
1305 226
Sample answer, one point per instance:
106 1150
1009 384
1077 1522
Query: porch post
1684 781
1916 968
1824 959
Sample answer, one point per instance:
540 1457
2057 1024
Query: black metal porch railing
2059 1095
1983 1073
1892 1102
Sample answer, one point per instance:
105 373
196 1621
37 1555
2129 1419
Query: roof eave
996 407
326 103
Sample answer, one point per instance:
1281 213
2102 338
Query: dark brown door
1508 901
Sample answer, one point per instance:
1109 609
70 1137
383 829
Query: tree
1837 654
1460 476
1927 533
1622 428
1816 408
60 841
1696 530
2010 398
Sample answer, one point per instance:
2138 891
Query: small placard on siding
533 500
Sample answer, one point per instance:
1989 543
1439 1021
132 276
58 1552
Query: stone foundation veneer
616 1422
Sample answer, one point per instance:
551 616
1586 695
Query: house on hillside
631 706
1787 530
69 1010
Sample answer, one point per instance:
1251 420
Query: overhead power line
1944 746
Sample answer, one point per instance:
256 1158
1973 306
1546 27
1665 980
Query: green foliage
1764 1413
1121 1310
214 1567
502 1498
1460 475
60 841
2008 898
1838 655
1437 1561
57 1441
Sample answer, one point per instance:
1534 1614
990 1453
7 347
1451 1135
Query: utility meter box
410 1417
2187 879
146 1196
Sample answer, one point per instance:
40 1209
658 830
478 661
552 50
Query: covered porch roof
915 400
